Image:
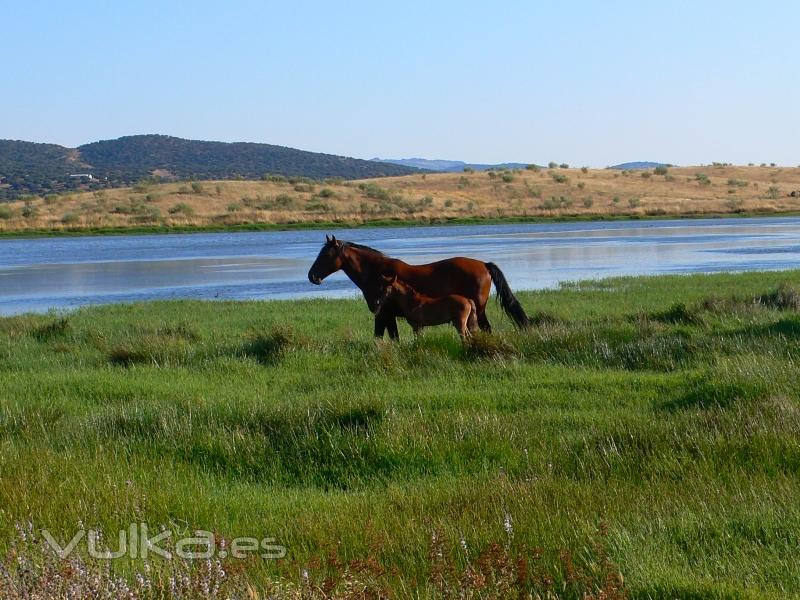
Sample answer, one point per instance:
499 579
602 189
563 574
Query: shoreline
376 223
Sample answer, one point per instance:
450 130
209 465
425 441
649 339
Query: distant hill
448 166
29 168
632 166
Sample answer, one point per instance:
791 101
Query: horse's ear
333 239
327 238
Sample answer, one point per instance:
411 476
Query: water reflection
40 274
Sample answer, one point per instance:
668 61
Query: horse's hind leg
483 322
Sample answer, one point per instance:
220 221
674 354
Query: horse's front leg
380 326
391 325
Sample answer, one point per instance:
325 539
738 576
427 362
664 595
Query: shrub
588 202
316 205
448 203
284 201
615 199
559 178
773 192
6 212
373 190
491 174
552 165
29 211
702 179
508 177
181 208
145 214
584 170
555 203
197 187
734 204
645 175
469 170
233 207
303 187
581 185
273 178
326 193
634 202
532 191
534 168
660 170
70 218
784 298
564 166
737 182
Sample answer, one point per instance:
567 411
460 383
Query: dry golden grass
502 194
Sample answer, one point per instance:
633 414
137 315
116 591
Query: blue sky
589 83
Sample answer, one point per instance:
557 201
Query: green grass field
648 427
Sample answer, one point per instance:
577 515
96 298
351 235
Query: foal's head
391 288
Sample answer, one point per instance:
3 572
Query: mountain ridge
32 168
448 166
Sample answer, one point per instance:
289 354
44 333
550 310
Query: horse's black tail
506 298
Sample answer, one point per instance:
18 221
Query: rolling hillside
507 194
29 168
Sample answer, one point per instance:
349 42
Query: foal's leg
463 330
384 323
472 318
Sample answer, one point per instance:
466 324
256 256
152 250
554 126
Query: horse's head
329 260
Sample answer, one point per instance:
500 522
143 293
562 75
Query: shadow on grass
268 348
788 327
704 394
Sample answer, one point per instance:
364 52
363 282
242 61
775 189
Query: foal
421 311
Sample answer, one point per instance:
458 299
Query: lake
63 273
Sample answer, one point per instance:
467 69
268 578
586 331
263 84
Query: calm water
42 274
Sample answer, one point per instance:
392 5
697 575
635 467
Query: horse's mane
362 247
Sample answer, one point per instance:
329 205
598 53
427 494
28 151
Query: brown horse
422 311
462 276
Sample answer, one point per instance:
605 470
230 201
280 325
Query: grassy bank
342 224
646 427
495 196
